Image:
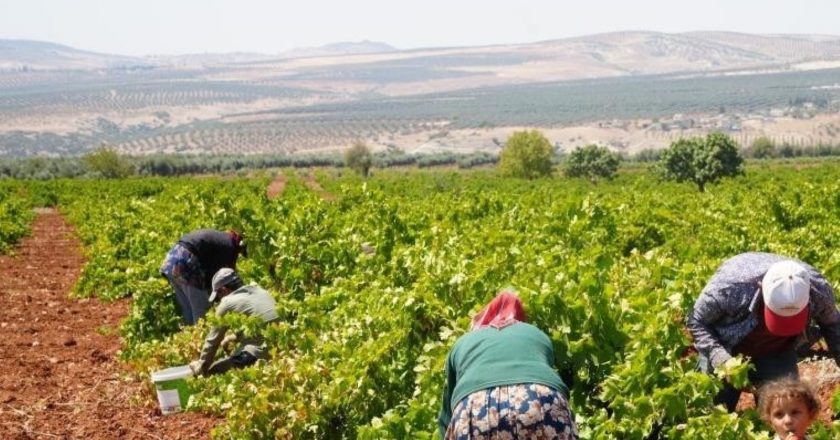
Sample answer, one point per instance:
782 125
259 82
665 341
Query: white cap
786 289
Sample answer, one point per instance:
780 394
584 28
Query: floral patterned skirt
181 266
524 411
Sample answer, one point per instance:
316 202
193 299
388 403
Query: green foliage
762 148
736 370
527 154
15 214
701 160
358 158
608 272
592 162
107 163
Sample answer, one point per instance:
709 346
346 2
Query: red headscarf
238 243
505 309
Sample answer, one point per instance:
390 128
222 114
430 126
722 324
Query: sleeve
445 415
212 342
827 315
211 346
706 312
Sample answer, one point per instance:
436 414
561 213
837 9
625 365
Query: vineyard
567 102
303 119
607 271
124 96
15 214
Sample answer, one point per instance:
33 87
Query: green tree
107 163
358 158
701 160
762 148
527 154
592 162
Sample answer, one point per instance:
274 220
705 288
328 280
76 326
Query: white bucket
172 390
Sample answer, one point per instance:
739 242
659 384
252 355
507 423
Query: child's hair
787 388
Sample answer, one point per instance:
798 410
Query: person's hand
229 343
729 366
195 366
735 371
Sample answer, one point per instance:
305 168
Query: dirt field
312 183
60 377
277 186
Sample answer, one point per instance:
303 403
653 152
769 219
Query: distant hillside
58 100
592 56
337 49
216 59
609 55
38 55
780 47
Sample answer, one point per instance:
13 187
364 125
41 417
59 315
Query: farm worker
235 297
191 263
759 305
500 380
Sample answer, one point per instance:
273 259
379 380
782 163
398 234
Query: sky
156 27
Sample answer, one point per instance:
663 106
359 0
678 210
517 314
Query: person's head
505 309
789 406
225 281
239 243
786 290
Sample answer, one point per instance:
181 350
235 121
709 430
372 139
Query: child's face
790 416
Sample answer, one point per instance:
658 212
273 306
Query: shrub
592 162
701 160
527 154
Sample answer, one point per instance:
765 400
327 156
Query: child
789 406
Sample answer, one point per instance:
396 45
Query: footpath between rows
60 376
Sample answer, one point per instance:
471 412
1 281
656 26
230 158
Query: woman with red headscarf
500 380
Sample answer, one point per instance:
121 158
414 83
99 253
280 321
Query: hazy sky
140 27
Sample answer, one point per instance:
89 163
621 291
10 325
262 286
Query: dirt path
277 186
60 377
312 183
824 375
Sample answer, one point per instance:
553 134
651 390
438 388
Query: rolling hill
55 99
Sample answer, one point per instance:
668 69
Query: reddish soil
277 186
312 183
60 377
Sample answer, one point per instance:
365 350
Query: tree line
525 154
105 162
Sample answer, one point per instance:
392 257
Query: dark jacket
724 313
214 250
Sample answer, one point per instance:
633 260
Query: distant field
247 109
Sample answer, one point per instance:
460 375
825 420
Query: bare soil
60 377
312 183
277 186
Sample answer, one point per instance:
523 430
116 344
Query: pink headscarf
505 309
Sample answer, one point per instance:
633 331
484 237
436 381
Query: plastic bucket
172 390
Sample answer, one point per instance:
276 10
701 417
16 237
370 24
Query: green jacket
250 300
490 357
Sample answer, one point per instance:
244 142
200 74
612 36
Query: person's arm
700 322
211 346
445 415
213 341
826 314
